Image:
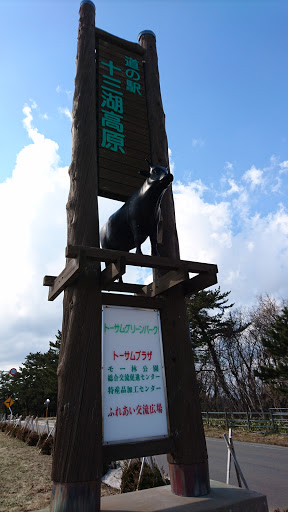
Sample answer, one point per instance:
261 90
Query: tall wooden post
77 464
189 463
167 239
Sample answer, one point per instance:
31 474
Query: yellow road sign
9 402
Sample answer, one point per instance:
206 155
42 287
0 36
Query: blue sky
223 71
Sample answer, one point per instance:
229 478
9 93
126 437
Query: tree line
35 381
241 356
241 359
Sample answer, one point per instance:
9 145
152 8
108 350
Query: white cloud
171 162
283 166
251 251
66 112
254 177
60 90
198 143
33 104
234 188
273 161
27 123
204 229
229 166
32 208
277 185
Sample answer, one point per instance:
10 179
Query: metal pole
230 448
228 459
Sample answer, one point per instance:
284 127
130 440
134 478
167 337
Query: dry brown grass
248 437
25 477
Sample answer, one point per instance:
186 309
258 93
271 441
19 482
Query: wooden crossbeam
67 276
138 449
136 301
200 282
139 260
165 282
116 261
112 272
124 287
48 280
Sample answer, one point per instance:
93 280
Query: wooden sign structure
105 162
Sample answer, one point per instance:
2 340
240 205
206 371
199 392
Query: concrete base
222 498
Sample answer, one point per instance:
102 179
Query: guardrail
31 423
257 422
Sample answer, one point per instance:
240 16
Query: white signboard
133 381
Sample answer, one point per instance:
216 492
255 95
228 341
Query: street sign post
13 371
9 402
47 402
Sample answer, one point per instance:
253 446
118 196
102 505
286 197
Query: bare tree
228 350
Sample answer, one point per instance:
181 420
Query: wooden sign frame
158 295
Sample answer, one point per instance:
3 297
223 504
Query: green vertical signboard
122 126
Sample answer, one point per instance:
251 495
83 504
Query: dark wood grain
168 244
123 287
67 276
112 272
118 41
136 301
78 440
182 390
183 398
140 260
165 282
123 451
199 282
48 280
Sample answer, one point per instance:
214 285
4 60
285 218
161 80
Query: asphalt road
265 468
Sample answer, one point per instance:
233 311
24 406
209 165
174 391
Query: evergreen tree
275 343
35 381
211 324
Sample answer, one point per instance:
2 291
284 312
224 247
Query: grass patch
240 434
25 476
